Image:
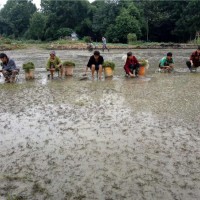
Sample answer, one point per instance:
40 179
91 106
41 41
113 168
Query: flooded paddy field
114 139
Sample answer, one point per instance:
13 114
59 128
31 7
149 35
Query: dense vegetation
118 20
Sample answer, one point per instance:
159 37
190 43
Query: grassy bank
8 44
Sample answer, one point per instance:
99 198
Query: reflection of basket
108 72
142 71
30 74
29 70
69 71
68 67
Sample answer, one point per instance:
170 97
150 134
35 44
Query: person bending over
9 69
194 61
167 63
95 64
132 65
54 64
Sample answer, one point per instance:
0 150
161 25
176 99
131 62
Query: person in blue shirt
9 69
167 63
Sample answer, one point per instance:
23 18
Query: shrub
109 64
62 32
68 64
131 37
87 39
28 66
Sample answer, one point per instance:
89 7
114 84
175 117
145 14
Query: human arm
167 64
10 65
101 60
127 69
192 58
85 72
48 64
135 60
58 63
90 62
162 62
171 65
87 66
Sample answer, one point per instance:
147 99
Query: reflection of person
104 44
90 46
132 65
54 64
9 69
194 61
167 63
95 64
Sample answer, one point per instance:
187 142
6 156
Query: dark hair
96 53
169 54
129 53
198 48
3 55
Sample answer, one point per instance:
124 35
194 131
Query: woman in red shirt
194 61
131 65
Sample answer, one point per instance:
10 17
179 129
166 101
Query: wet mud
117 138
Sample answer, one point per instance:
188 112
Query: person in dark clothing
132 65
95 64
194 61
9 69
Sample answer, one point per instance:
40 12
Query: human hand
132 75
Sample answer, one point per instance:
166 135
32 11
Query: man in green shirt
167 63
54 64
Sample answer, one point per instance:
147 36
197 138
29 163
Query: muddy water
112 139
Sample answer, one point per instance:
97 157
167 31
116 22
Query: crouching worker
54 64
131 66
166 64
194 61
9 69
95 64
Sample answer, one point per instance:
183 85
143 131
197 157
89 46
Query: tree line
119 21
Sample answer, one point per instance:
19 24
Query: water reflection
117 134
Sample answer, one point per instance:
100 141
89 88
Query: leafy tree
84 28
105 15
64 14
189 22
131 37
149 20
112 34
133 11
18 13
125 24
5 27
62 32
161 19
37 26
